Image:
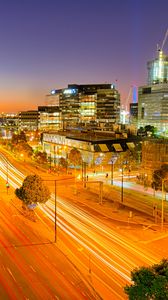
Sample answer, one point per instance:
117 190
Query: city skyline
45 46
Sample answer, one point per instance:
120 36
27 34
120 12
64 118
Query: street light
112 171
55 205
7 173
162 216
7 176
122 183
84 177
162 209
113 160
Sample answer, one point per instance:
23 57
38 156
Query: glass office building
153 106
153 98
87 103
158 69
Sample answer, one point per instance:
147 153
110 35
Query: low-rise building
153 97
96 147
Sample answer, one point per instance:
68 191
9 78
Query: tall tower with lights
153 97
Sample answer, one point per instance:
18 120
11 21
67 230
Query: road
32 266
99 252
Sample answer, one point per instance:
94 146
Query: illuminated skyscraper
85 103
153 106
158 69
153 98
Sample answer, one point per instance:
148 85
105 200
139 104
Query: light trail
109 249
84 242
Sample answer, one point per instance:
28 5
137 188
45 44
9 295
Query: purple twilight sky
46 44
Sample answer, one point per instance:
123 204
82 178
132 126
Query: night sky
46 44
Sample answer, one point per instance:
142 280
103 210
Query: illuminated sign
70 91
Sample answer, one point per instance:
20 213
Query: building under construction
153 97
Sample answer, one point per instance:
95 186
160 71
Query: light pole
55 215
55 205
54 157
162 208
84 177
112 171
162 215
122 183
7 177
113 160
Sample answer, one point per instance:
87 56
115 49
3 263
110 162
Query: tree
33 190
63 162
17 138
19 144
149 283
25 148
141 131
22 137
75 157
40 157
158 176
148 130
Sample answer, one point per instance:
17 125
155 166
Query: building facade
96 148
158 69
133 113
153 98
87 103
29 120
153 106
108 107
49 118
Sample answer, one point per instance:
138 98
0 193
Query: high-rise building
153 98
108 106
28 120
86 103
153 106
49 117
158 69
133 113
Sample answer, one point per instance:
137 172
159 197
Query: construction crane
163 43
129 97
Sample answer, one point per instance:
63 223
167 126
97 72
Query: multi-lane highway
100 253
